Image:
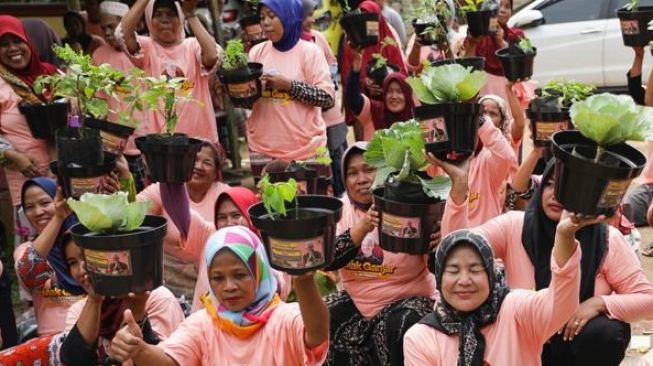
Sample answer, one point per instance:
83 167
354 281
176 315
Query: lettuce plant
398 155
275 195
451 83
108 214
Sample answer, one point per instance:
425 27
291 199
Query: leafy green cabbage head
450 83
103 213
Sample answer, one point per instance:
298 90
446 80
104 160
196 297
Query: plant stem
599 154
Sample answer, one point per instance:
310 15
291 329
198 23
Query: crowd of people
501 286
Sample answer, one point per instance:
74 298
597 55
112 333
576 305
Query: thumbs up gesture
128 342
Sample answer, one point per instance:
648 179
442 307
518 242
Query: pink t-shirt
647 173
14 127
280 126
376 278
527 319
106 54
280 342
184 60
334 115
620 281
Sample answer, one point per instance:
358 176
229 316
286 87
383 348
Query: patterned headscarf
248 248
448 320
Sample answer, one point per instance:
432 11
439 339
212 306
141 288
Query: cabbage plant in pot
362 28
594 165
240 76
123 248
517 60
449 92
408 201
430 23
549 111
634 20
170 156
298 231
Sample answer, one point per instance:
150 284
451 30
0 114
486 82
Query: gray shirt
392 17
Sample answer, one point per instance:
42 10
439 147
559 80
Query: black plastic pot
362 28
420 28
79 146
476 63
303 241
516 67
251 26
45 119
379 75
407 227
114 135
545 124
461 121
76 180
478 22
125 262
585 187
634 26
243 84
169 159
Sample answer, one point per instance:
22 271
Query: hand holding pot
459 175
498 38
276 82
110 184
61 209
372 88
188 7
128 341
357 62
22 163
570 223
364 226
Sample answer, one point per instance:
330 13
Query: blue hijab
56 257
291 14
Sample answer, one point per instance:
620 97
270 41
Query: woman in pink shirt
478 320
286 122
613 290
168 52
250 326
384 292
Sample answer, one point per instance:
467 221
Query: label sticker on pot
613 193
372 27
243 90
401 227
544 130
79 186
434 130
116 263
297 254
629 27
112 143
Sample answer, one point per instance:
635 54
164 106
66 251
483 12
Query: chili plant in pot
170 156
481 16
449 113
430 23
240 76
122 246
594 165
379 68
517 60
362 28
549 111
634 21
298 231
408 201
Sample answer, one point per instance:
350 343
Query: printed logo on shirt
276 96
59 296
369 261
473 198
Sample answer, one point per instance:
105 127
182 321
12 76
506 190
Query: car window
564 11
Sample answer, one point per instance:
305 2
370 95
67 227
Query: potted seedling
123 248
379 68
549 111
170 156
250 23
481 16
594 166
362 28
240 76
44 116
408 201
449 92
517 60
430 22
314 172
634 21
298 231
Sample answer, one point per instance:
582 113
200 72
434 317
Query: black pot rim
428 111
89 239
640 9
503 53
329 215
563 115
378 193
85 171
159 146
110 127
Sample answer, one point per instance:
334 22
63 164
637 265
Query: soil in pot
362 28
243 84
585 187
407 227
170 158
545 124
45 119
478 22
634 26
79 146
379 75
125 262
76 180
114 135
420 26
476 63
516 64
302 241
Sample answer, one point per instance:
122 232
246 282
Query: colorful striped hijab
248 247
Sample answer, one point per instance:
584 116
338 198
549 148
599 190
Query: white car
578 39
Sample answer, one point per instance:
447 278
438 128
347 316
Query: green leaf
275 196
393 152
382 175
90 216
451 83
136 212
437 187
422 92
109 213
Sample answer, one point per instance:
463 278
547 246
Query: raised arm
635 76
314 311
129 23
210 50
522 179
519 120
80 345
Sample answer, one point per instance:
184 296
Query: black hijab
538 235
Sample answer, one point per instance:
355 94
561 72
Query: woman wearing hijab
231 208
43 38
395 105
167 52
478 320
286 122
384 292
77 36
24 156
244 321
613 290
